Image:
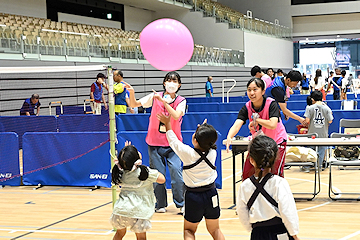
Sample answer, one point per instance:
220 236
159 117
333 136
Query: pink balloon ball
167 44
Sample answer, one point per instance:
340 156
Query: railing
238 20
60 43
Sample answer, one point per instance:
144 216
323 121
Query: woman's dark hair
172 75
127 157
316 95
206 136
317 75
263 150
258 82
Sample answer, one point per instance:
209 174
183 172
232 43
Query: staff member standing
208 87
29 106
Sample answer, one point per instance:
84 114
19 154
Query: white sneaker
160 210
182 210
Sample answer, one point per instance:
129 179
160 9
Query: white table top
303 141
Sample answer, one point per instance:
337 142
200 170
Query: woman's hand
228 143
158 97
128 86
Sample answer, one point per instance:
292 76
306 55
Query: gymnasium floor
54 212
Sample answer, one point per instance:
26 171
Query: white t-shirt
263 210
147 102
200 175
321 83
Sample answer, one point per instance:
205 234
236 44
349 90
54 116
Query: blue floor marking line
62 220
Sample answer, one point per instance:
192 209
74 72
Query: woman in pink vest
169 104
263 114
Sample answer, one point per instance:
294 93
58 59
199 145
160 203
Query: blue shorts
201 204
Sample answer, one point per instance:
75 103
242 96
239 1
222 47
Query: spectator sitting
29 105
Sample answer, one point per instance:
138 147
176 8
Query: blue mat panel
83 123
85 159
9 159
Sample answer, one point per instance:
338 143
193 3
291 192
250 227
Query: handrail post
227 93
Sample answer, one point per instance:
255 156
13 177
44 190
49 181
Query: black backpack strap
260 189
202 157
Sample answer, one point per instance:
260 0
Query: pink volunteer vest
279 133
154 137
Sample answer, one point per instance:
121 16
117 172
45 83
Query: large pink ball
167 44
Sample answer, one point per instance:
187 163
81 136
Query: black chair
342 163
308 164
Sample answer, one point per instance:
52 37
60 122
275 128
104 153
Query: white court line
231 176
44 231
350 236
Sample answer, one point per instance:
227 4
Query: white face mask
171 87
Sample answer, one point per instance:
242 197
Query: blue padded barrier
203 107
84 158
83 123
232 106
9 159
22 124
137 138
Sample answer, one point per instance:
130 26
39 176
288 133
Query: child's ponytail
116 174
144 173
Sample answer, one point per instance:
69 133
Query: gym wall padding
9 159
137 138
84 158
22 124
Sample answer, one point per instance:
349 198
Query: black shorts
201 204
274 232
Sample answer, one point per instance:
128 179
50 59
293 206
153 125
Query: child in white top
136 202
199 173
265 204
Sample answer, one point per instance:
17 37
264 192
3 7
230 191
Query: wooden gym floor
55 212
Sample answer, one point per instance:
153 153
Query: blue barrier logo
5 175
98 176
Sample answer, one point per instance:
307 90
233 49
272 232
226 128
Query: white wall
326 25
267 51
264 9
316 56
87 20
325 8
33 8
136 19
206 31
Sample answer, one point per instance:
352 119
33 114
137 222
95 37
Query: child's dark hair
343 73
258 82
127 157
172 75
206 136
263 150
316 95
254 70
309 100
294 76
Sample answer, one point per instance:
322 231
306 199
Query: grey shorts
136 225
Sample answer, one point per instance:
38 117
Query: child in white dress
265 204
136 202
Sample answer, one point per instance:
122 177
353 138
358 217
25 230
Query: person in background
337 79
97 94
270 73
265 204
277 91
258 73
304 85
29 106
318 83
121 94
344 85
208 87
318 116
